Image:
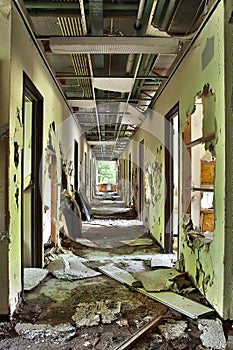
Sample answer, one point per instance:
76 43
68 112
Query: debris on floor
41 333
163 260
127 344
157 280
86 242
70 216
96 313
84 205
173 330
212 334
69 267
120 275
139 241
110 309
179 303
33 277
175 301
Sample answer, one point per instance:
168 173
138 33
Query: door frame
169 177
31 91
141 179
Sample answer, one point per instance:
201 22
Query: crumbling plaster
189 79
203 64
152 134
25 58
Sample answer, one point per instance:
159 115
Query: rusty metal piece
135 337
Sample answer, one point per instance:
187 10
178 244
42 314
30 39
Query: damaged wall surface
203 64
19 58
5 20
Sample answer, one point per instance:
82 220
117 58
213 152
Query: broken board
179 303
119 275
175 301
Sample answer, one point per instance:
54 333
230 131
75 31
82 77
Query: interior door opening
141 179
172 164
32 237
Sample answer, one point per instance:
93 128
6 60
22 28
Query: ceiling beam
72 9
114 45
74 76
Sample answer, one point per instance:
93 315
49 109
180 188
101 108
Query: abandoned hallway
99 292
142 259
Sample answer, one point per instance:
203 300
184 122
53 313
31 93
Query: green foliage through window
106 172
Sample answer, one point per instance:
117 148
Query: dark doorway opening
141 179
172 164
32 228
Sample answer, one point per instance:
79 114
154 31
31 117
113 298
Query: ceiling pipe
84 27
137 27
127 102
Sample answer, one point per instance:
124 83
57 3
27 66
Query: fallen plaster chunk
33 277
42 333
69 267
173 330
94 313
212 334
157 280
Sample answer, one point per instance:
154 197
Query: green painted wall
203 64
26 58
228 260
5 22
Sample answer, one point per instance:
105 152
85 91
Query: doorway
141 179
32 236
172 163
76 173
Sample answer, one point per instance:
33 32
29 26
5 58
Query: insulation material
116 84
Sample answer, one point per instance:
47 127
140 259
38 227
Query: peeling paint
16 154
17 197
18 117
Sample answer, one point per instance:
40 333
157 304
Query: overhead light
114 45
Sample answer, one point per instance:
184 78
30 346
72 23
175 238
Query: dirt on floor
55 302
99 312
